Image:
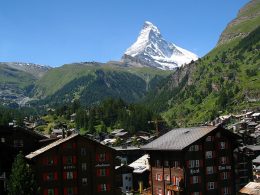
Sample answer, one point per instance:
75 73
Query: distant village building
75 165
125 178
196 160
252 188
141 171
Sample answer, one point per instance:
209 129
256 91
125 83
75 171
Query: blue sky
55 32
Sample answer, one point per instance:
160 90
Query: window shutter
107 155
99 188
98 172
56 192
191 182
74 174
55 160
74 159
201 163
215 169
97 157
64 159
45 192
65 191
75 190
214 154
55 176
222 191
108 187
74 145
44 161
107 171
44 176
64 175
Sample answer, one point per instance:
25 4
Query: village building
252 188
75 165
12 141
194 161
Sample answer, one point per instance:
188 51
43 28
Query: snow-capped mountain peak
150 49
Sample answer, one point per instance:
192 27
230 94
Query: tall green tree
21 180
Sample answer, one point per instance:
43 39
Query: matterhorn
150 49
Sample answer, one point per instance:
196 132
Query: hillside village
138 164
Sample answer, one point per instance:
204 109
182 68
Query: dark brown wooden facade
205 166
75 165
12 141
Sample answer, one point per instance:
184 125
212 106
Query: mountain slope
93 82
225 80
150 49
246 21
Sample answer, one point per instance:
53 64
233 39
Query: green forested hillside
226 80
92 82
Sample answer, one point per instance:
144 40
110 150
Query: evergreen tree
21 180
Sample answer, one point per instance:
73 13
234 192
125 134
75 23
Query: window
166 163
158 163
195 179
83 151
225 175
222 145
159 191
195 193
223 160
158 177
226 190
2 139
211 185
208 154
102 157
84 181
103 172
176 164
197 163
84 166
69 160
18 143
167 177
69 175
209 139
50 191
50 176
194 148
103 187
210 170
70 191
176 180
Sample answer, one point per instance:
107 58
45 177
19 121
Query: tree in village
21 180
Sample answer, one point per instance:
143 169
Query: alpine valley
169 79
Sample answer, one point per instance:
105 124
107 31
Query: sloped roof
141 164
178 139
52 145
252 188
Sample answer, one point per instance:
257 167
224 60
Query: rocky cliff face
247 20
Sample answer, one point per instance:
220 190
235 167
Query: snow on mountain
150 49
